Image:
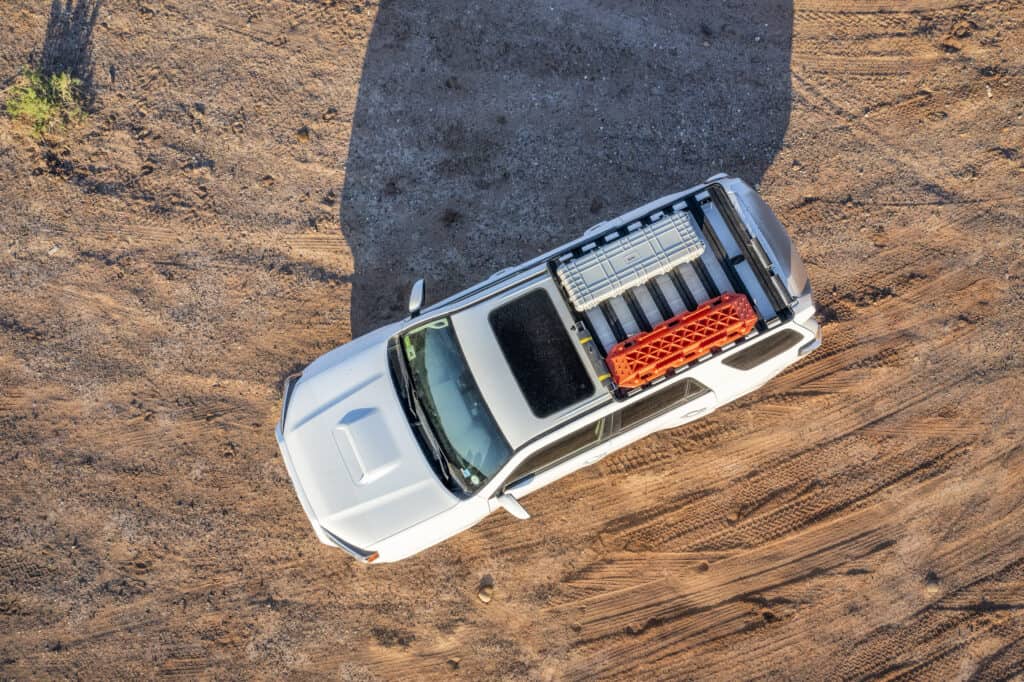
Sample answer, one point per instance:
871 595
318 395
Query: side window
763 351
645 408
559 451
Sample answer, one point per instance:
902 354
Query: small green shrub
46 102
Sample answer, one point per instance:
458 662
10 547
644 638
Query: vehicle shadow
68 43
487 133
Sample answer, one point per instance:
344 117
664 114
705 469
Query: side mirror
512 506
416 298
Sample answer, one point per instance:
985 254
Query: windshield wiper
420 421
411 402
442 462
435 447
405 389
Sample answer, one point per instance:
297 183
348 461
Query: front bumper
322 534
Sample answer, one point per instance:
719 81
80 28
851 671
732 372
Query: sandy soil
260 178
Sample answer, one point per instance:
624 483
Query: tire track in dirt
873 132
683 515
616 618
874 66
700 526
874 653
865 8
632 620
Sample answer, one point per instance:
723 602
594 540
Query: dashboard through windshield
444 389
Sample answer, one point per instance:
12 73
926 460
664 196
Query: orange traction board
680 340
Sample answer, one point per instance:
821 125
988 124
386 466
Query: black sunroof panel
540 352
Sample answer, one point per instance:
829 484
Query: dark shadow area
487 133
68 43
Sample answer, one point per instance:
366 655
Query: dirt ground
260 179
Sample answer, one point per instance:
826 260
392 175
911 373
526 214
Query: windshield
443 385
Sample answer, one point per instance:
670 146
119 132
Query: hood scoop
365 446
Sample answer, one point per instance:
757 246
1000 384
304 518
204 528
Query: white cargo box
632 259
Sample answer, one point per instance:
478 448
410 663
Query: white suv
412 433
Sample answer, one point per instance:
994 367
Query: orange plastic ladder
680 340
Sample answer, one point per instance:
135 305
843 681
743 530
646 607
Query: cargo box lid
631 259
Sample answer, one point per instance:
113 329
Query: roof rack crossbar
613 320
636 311
659 299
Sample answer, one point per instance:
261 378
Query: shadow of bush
67 47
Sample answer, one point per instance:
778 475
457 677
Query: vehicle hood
351 450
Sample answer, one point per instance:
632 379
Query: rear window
540 352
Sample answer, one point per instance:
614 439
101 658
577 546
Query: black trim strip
594 339
659 299
289 384
353 551
636 311
613 320
705 279
684 291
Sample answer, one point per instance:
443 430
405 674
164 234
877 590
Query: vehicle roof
496 378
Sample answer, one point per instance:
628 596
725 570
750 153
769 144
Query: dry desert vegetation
257 181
